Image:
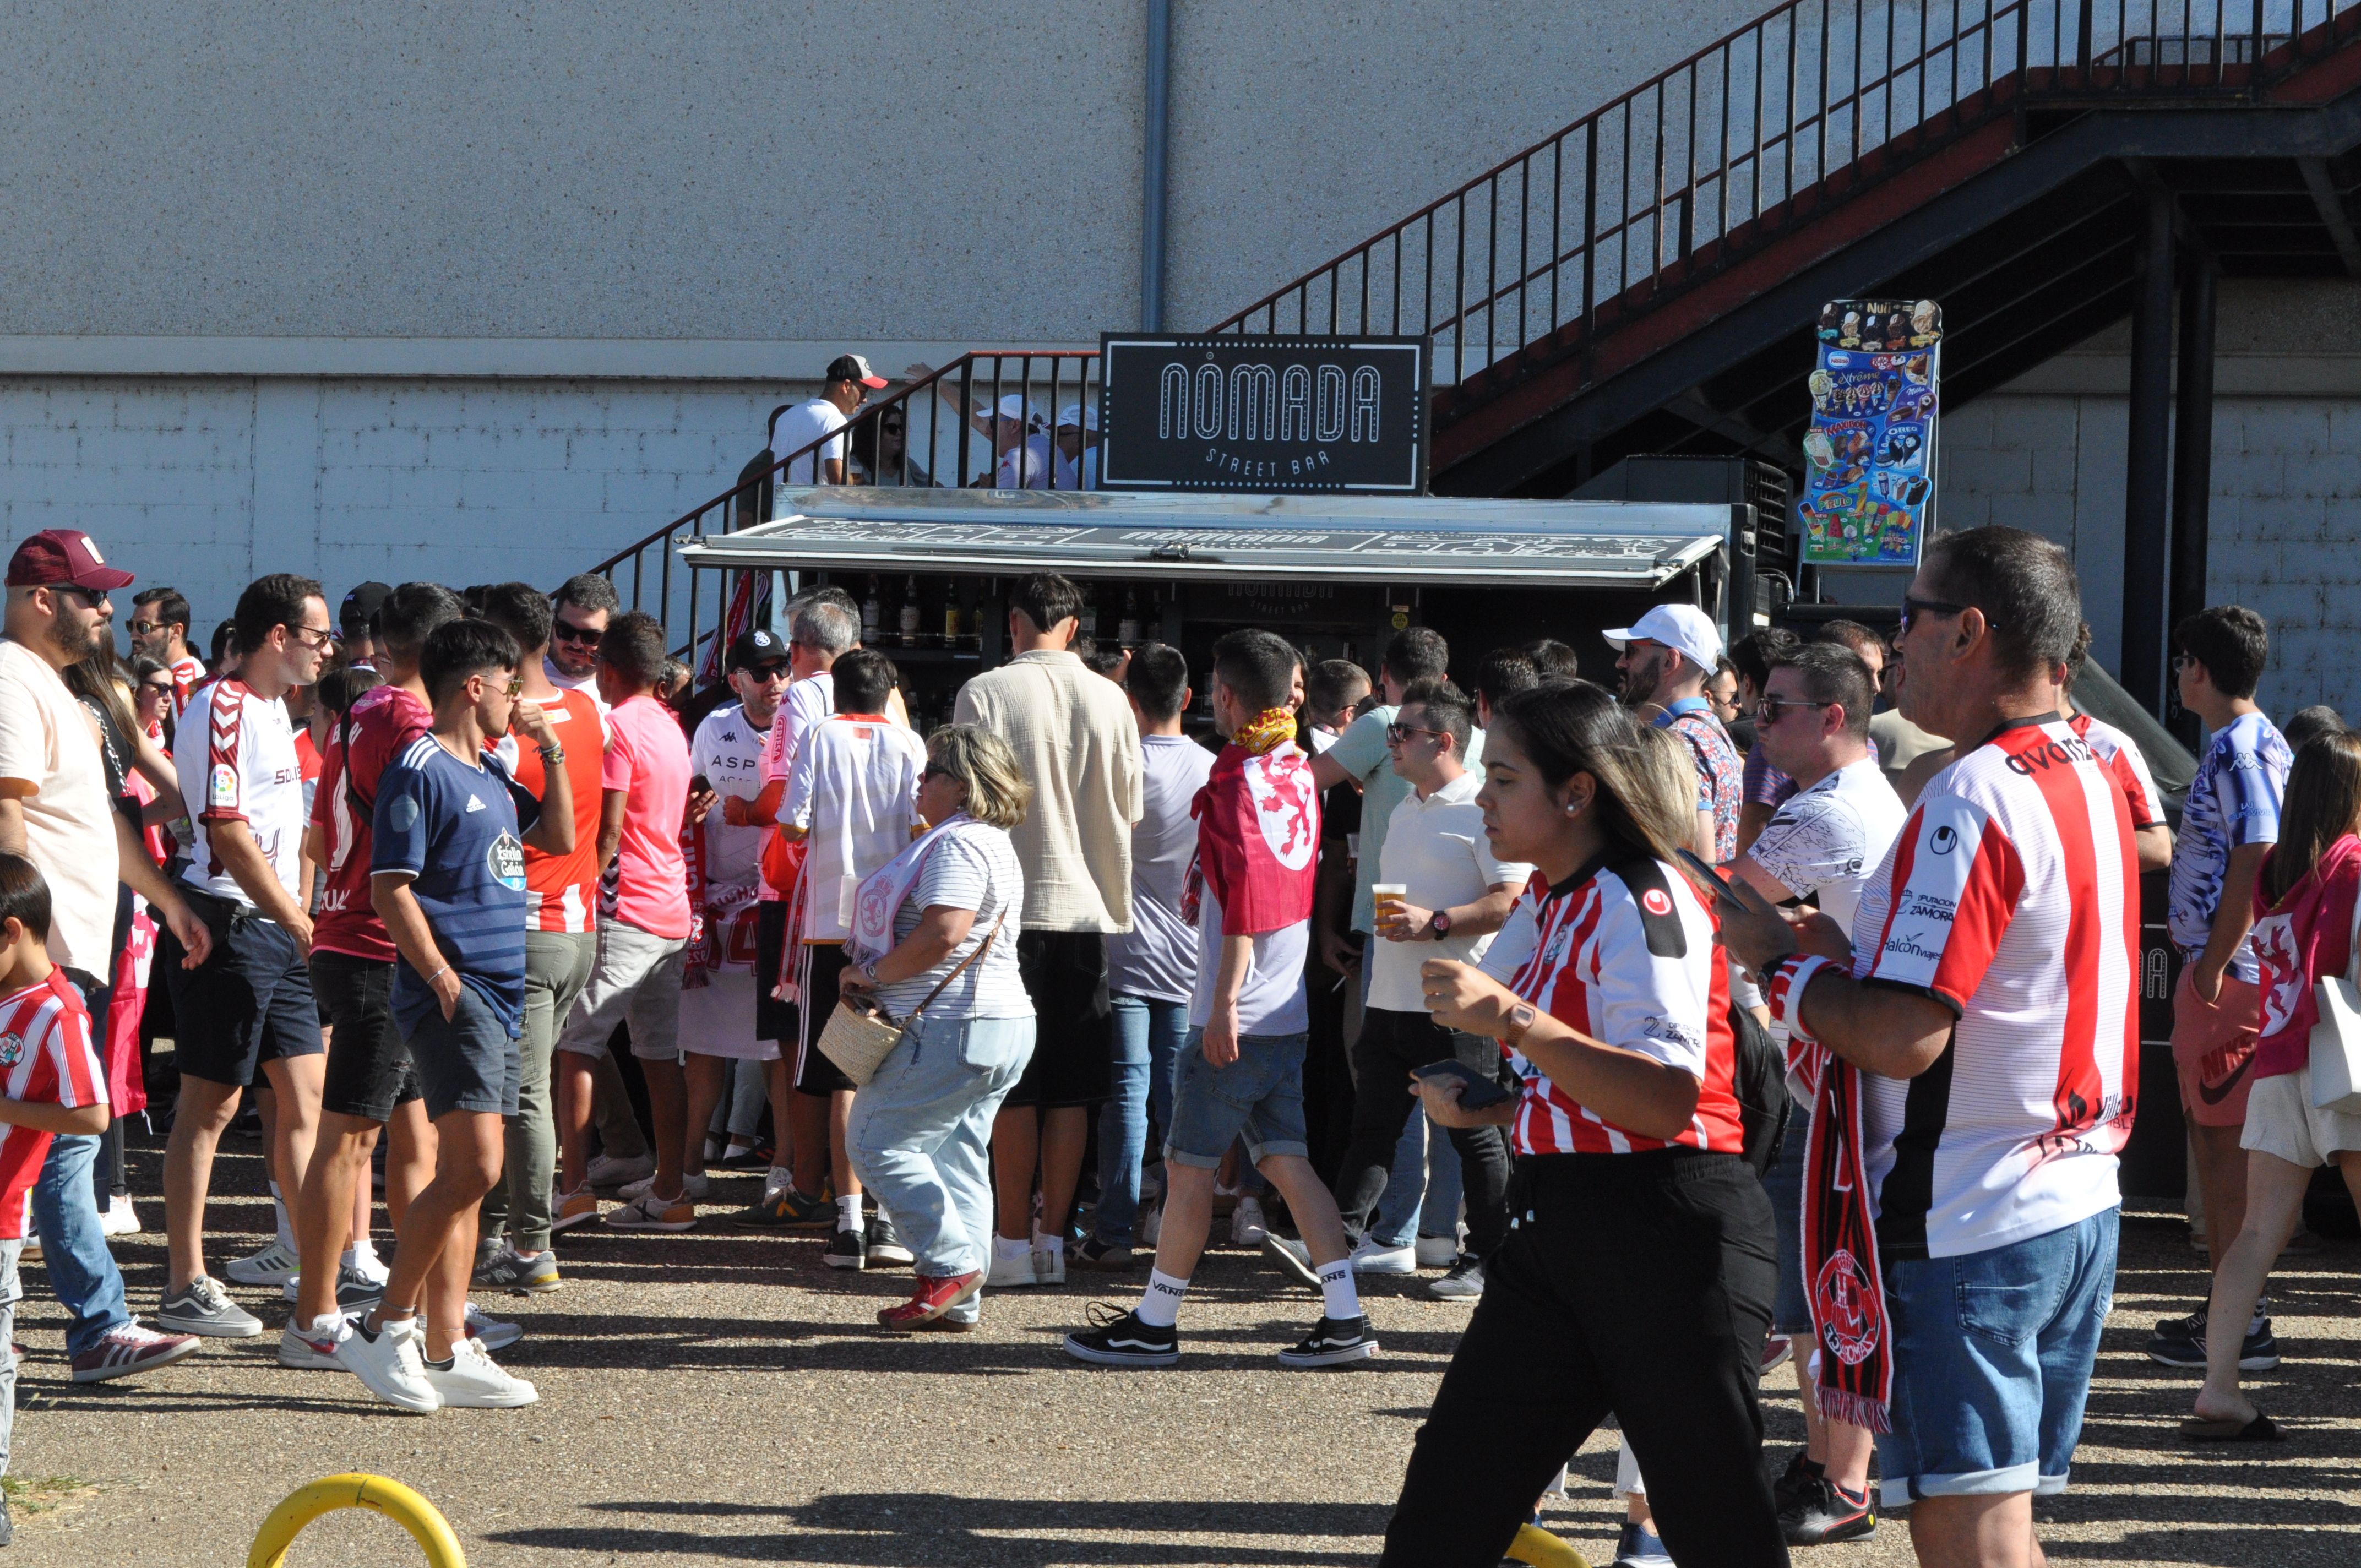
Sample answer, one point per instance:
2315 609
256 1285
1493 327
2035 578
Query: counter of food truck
1336 574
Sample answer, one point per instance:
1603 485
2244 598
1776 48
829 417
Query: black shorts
248 1003
1065 973
369 1072
774 1019
468 1061
821 963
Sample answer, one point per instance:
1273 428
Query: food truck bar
1336 575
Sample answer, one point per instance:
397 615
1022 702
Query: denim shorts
1258 1097
1993 1356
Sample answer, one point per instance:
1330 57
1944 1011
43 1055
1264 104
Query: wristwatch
1520 1018
1442 922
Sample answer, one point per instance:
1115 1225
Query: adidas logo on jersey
475 805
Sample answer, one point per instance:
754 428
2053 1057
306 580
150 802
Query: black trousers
1638 1283
1392 1044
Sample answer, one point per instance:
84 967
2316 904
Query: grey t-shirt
1157 957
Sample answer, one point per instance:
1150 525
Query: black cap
853 367
360 607
756 647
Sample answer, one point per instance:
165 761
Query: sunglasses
936 771
314 638
146 627
566 631
1769 710
1912 607
1398 733
89 599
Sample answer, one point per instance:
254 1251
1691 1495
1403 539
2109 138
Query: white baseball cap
1083 416
1012 405
1682 627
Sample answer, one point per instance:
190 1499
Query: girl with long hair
2305 915
1639 1275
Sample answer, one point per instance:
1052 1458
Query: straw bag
2336 1038
859 1034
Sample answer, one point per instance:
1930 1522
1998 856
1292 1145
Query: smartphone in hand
1713 875
1477 1092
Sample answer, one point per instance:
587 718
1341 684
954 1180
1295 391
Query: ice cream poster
1869 456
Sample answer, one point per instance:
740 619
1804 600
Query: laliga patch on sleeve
222 789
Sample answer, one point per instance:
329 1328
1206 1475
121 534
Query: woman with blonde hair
934 944
2305 917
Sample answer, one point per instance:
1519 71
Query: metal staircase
1645 278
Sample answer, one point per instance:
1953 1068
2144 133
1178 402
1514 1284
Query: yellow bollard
1539 1546
376 1493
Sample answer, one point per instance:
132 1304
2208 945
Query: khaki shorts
2213 1050
2282 1120
634 980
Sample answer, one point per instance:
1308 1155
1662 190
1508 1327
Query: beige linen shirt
1076 745
49 741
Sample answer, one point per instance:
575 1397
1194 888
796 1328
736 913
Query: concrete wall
2047 454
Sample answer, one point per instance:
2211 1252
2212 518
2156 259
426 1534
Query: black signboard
1342 415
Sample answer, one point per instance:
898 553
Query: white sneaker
391 1363
369 1267
473 1382
1151 1225
608 1172
1010 1271
1436 1252
1373 1256
496 1334
274 1265
120 1219
1048 1265
1247 1226
694 1186
315 1347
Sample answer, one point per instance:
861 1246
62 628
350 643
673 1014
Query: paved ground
716 1399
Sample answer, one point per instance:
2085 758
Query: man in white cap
846 386
1021 455
1078 448
1665 658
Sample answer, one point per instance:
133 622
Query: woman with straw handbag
933 949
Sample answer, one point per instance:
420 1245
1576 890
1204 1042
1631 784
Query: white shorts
716 1019
635 980
2282 1120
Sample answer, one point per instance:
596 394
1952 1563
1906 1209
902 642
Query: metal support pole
1157 101
2147 459
2193 452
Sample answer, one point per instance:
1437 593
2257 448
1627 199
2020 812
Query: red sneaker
935 1295
128 1350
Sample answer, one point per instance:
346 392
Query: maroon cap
63 555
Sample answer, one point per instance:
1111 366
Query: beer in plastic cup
1389 894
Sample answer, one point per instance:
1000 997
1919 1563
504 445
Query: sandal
2262 1428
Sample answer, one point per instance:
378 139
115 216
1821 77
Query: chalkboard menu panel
1270 415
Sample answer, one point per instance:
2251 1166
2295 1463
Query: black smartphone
1477 1092
1708 869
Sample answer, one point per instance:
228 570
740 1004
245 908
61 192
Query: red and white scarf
1258 840
1842 1276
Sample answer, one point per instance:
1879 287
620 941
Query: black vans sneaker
882 1244
846 1249
2180 1341
1120 1339
1334 1344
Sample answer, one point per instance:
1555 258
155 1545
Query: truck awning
1101 533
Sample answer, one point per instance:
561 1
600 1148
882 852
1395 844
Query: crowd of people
1721 1018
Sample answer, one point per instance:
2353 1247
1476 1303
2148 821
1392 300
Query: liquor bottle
951 618
910 613
871 609
1127 629
1090 616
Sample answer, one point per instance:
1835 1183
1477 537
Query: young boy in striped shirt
51 1082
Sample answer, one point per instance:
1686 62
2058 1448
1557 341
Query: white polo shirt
1436 848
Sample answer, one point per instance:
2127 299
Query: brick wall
207 483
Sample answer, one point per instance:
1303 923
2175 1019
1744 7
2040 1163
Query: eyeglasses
1915 607
566 631
1768 710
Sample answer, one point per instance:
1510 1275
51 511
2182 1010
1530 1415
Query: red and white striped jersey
1625 951
2013 897
2120 755
45 1060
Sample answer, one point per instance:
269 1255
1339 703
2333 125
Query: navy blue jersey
454 828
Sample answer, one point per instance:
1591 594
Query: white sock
1054 1245
847 1211
279 1213
1019 1249
1160 1304
779 1181
1336 1290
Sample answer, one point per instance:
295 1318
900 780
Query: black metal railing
1740 142
987 418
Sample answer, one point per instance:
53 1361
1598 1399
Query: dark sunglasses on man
566 631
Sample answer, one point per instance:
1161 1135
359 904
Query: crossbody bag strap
955 973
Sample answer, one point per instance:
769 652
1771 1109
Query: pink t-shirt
648 758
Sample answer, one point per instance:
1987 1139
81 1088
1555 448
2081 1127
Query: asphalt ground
721 1398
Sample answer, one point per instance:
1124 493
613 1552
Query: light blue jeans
1149 1032
11 1292
82 1273
921 1137
1422 1188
